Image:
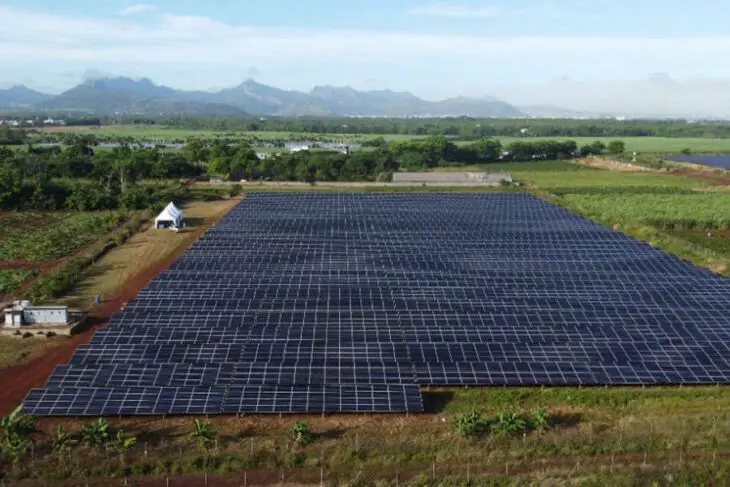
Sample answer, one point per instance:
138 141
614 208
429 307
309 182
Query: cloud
456 10
137 9
94 74
159 46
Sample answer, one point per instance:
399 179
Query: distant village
31 123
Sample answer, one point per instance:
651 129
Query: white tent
171 217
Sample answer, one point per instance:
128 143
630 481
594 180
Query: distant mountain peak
121 94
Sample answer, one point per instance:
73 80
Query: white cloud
137 9
455 10
431 65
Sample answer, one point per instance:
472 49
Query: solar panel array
350 302
721 161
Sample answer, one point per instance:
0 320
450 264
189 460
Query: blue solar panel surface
350 302
722 161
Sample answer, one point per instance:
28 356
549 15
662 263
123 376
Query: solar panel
335 302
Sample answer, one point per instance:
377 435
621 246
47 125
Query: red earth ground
709 176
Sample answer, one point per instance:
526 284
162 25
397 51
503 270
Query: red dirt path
709 176
16 381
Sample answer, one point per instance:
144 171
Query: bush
235 190
302 434
471 424
508 423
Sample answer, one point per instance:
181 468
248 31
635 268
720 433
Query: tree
11 184
95 434
617 147
204 434
411 161
487 149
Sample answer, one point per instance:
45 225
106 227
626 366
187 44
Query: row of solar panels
94 401
366 374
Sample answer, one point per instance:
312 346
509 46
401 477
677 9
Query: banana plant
122 444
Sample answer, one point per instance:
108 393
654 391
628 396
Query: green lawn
601 180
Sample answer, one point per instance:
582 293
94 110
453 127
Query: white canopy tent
171 217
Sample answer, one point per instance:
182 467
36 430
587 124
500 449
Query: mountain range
121 95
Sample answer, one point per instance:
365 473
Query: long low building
451 177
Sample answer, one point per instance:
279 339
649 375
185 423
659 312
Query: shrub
508 423
471 424
540 419
235 190
302 434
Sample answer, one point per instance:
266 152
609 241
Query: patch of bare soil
708 176
612 165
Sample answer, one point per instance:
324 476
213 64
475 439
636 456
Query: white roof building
170 217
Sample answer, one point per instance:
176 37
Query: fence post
321 476
167 481
206 479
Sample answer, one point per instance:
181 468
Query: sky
579 54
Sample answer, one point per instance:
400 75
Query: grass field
16 351
704 210
573 181
11 279
647 144
157 132
595 436
637 144
36 237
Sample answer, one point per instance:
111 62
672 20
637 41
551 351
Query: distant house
451 177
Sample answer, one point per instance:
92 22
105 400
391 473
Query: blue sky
525 50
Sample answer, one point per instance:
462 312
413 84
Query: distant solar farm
352 303
720 161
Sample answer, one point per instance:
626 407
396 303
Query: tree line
83 177
80 178
465 128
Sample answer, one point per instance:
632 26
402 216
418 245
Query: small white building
22 313
171 217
